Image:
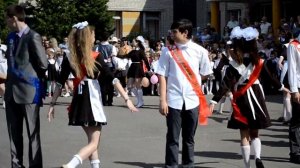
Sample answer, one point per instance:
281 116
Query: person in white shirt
264 26
3 69
293 57
179 103
232 23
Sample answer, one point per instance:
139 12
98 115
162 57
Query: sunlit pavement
138 139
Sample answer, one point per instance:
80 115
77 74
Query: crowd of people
180 68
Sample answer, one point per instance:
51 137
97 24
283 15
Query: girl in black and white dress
136 72
251 104
51 72
86 109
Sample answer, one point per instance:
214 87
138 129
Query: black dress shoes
259 163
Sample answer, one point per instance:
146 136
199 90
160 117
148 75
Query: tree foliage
3 28
54 18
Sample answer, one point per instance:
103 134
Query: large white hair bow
80 25
248 33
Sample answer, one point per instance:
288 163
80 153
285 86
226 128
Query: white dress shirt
293 57
264 27
179 89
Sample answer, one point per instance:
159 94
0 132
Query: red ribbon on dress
190 75
77 80
253 77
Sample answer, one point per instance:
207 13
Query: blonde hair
54 43
80 45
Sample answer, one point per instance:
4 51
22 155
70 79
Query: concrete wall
165 7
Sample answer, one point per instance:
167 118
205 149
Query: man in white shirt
264 26
232 23
178 101
293 57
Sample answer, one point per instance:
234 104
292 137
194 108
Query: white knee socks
288 109
256 145
140 98
76 160
95 163
246 155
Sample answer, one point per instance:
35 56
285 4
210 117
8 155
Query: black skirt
80 110
261 120
136 71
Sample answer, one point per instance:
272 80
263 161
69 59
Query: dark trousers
107 91
294 132
187 120
15 115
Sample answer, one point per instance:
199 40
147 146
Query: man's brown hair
17 11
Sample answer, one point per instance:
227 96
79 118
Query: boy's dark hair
183 25
17 11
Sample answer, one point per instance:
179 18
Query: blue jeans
187 120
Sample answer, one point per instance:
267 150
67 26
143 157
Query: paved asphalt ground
137 140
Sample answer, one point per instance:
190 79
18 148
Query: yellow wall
130 22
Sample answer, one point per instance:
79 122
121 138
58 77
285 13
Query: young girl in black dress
242 79
86 109
136 72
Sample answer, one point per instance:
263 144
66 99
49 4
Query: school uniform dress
86 108
252 104
52 73
136 68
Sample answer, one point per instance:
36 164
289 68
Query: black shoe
295 159
259 163
280 119
287 123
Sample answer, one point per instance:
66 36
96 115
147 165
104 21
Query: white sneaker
132 94
66 94
64 166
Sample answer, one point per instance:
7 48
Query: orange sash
191 76
296 44
253 77
77 80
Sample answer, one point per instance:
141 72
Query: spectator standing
51 72
107 52
232 23
64 44
264 26
3 69
27 64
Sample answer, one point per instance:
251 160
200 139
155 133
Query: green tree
95 12
55 18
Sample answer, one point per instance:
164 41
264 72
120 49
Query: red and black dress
252 104
86 108
136 68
